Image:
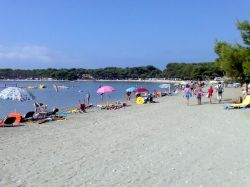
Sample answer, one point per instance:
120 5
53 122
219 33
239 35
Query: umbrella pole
107 99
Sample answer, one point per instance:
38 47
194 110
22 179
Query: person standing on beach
187 93
128 94
245 89
87 97
210 93
192 87
199 93
219 91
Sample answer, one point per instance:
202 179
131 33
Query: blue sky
124 33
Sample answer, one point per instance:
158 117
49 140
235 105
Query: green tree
234 59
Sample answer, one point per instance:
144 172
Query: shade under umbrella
131 89
105 89
141 90
16 94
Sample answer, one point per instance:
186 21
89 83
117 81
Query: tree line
142 72
172 70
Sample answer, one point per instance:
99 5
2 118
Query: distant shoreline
101 80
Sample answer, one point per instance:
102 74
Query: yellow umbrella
139 100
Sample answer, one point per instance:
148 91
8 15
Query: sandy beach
158 144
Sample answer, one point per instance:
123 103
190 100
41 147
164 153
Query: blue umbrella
131 89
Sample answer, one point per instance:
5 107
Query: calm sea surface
67 97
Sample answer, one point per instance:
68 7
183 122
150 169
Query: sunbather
40 107
245 103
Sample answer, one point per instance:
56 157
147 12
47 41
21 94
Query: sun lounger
244 104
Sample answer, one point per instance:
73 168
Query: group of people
197 91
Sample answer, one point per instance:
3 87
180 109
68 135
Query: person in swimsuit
210 93
187 93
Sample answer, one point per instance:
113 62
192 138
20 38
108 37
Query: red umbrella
141 90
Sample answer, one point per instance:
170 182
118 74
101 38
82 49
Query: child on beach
187 93
199 93
210 93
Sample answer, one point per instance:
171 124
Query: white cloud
26 52
32 56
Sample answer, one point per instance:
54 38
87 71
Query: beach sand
159 144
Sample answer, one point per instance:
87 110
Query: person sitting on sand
40 107
137 94
82 107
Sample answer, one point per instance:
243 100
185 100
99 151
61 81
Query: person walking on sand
187 93
219 92
199 93
210 93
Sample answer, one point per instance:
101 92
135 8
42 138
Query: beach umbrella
16 94
131 89
165 86
141 90
105 89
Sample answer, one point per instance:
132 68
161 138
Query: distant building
87 77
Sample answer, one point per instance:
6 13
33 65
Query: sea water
68 97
